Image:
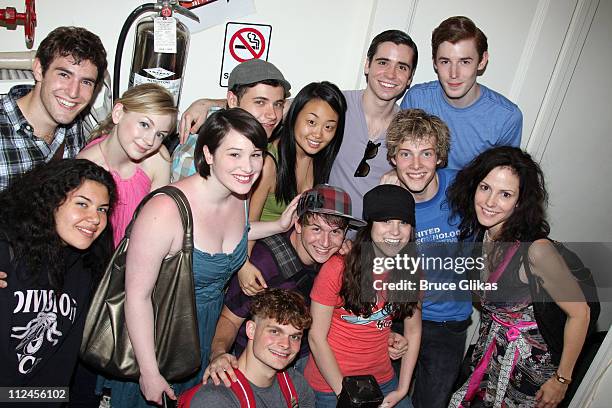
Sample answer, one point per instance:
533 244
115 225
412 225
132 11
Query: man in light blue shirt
478 117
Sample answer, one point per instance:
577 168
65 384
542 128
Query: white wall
311 41
545 55
320 39
576 159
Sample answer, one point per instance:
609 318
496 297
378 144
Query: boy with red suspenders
279 318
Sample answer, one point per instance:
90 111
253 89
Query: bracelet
562 380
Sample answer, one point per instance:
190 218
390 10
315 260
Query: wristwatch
562 380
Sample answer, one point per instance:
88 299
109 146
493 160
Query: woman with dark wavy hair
501 198
54 245
351 311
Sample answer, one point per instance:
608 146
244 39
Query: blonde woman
128 144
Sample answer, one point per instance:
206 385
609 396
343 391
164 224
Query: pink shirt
130 193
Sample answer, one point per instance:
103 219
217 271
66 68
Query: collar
13 112
285 256
19 121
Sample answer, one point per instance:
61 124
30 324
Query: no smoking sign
243 42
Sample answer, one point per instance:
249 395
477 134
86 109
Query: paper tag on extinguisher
164 38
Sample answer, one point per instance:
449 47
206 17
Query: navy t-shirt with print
40 329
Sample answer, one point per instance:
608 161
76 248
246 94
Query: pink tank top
129 194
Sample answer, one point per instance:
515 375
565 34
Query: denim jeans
329 400
440 357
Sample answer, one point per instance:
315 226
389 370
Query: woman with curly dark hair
352 312
501 198
54 245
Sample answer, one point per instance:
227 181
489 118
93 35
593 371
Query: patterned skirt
510 360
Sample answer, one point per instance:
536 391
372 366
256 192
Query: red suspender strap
242 390
185 398
288 389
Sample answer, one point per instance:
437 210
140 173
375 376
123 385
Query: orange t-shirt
359 344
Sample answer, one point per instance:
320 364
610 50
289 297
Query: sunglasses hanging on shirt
370 152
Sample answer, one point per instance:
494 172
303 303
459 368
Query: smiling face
416 162
496 198
315 126
236 163
265 102
390 236
457 66
274 345
317 240
66 89
389 72
140 134
82 217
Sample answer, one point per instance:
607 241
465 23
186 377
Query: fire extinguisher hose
144 8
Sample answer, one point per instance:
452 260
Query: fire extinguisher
160 47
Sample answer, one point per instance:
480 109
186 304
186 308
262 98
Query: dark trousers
440 356
83 388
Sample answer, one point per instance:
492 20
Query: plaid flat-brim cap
328 199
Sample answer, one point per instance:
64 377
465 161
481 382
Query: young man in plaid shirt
289 261
42 122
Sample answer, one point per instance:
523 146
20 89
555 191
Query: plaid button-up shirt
20 149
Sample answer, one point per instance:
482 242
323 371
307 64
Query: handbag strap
184 210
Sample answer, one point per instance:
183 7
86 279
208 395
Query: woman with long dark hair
352 312
54 244
302 151
308 143
501 199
